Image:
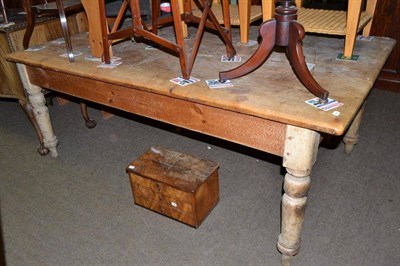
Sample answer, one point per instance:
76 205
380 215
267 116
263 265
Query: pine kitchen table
265 110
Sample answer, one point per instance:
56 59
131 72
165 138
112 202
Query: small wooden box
174 184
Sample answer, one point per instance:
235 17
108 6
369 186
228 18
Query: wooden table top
272 92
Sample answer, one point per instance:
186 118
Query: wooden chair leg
299 3
268 9
370 8
155 14
182 10
103 31
64 26
179 33
227 22
4 13
244 18
92 9
139 30
353 18
225 34
120 16
199 33
30 25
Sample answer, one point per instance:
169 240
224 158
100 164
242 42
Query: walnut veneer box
174 184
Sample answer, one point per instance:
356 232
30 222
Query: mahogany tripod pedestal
284 31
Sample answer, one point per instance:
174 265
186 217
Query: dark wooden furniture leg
3 11
106 58
59 9
30 23
226 35
89 122
180 43
284 31
155 15
64 26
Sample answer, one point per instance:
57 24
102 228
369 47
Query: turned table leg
27 108
40 111
301 146
351 137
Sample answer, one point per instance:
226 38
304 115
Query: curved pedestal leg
40 111
267 33
351 137
286 32
89 122
297 60
301 146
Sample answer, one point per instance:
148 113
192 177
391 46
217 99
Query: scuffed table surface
271 92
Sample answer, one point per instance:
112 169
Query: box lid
173 168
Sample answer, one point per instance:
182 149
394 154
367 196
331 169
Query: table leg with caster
40 111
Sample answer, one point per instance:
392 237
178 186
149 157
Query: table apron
244 129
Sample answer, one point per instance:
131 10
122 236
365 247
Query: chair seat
52 7
255 13
328 21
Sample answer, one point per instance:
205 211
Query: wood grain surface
262 94
175 184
